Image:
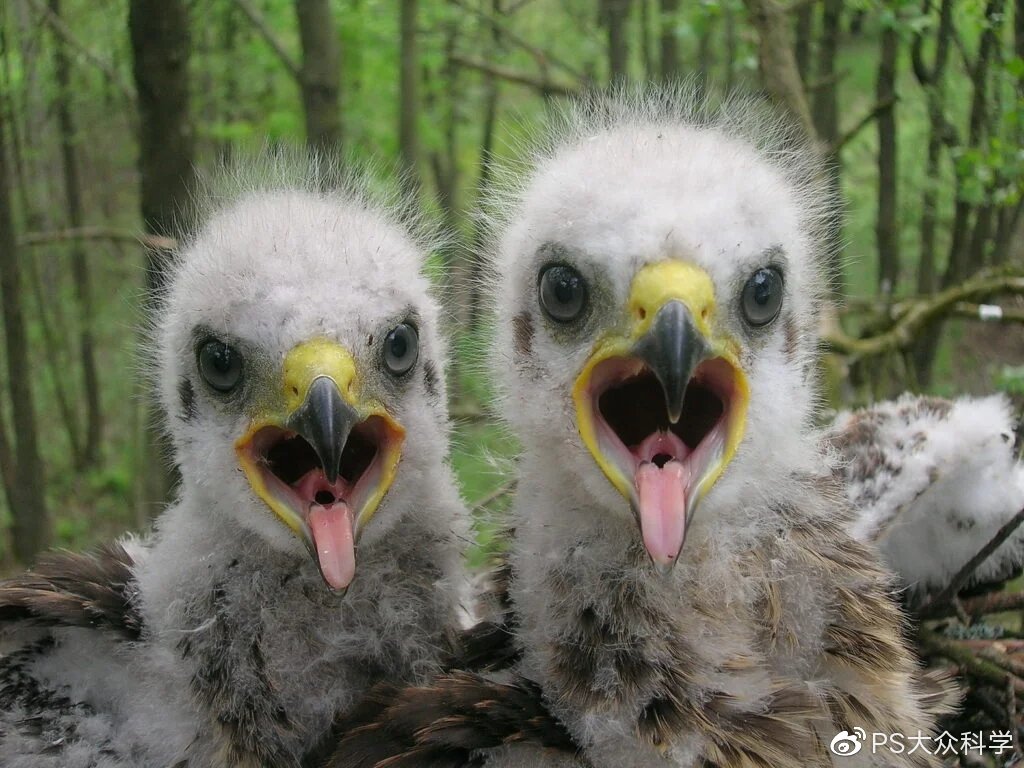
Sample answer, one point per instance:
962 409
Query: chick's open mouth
292 479
663 467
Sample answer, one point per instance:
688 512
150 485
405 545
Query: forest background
107 107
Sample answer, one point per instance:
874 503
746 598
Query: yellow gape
655 287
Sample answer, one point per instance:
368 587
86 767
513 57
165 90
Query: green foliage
242 93
1011 380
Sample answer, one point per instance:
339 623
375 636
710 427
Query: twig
64 32
798 5
542 84
976 607
988 313
474 415
965 573
824 82
270 38
502 490
1001 645
920 313
156 242
542 57
845 138
969 663
1012 666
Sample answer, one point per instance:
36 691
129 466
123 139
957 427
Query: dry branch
970 663
542 57
987 313
913 316
859 126
964 574
975 607
64 33
485 501
542 84
271 39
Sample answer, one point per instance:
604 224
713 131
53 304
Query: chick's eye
401 348
762 296
563 293
220 365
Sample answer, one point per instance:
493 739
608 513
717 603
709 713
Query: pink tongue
332 536
663 508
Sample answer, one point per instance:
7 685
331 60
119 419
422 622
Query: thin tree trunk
229 46
52 357
927 274
776 61
802 44
646 51
825 113
160 55
483 184
320 76
886 228
669 41
932 79
731 47
90 449
616 20
825 104
30 520
408 98
705 58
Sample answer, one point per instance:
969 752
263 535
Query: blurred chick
932 481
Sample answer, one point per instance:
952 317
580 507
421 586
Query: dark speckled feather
76 590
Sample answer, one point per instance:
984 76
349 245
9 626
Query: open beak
324 459
661 403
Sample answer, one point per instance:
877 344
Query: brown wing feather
444 724
76 590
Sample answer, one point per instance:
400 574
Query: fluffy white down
239 624
623 183
933 482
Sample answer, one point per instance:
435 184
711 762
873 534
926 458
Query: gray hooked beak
673 348
325 420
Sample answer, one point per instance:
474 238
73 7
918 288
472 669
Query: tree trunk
645 39
776 61
616 18
30 521
825 107
669 42
160 54
887 234
90 450
320 77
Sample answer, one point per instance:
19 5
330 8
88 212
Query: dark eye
563 293
401 348
762 296
220 365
